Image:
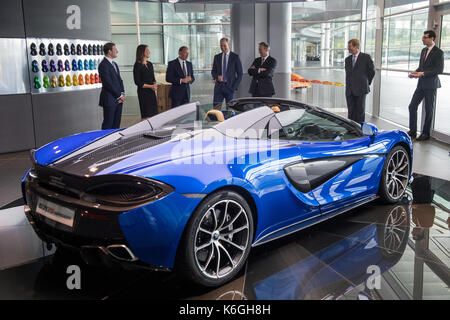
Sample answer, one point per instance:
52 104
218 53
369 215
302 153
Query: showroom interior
332 260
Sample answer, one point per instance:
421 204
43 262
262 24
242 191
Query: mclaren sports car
193 190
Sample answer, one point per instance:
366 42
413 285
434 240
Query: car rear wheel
395 176
217 240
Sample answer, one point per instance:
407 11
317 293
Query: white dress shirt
185 65
355 56
428 52
265 58
227 56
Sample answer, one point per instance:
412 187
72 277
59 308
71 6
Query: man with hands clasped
112 95
430 65
180 74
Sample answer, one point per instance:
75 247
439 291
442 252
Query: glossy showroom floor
408 244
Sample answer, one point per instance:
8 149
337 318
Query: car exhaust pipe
121 252
96 255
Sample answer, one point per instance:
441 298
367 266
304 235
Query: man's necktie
224 70
353 61
427 53
184 68
115 67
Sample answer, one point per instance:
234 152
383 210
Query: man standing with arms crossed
262 70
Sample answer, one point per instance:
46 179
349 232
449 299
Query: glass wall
402 45
320 32
402 39
442 118
396 6
165 27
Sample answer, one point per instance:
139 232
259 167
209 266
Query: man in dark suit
227 72
112 95
431 64
359 73
262 72
180 74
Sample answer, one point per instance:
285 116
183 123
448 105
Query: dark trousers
430 100
222 91
180 101
356 107
112 117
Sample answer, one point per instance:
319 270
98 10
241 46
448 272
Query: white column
280 17
325 45
378 58
243 40
253 23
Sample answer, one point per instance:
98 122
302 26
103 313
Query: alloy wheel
221 239
397 174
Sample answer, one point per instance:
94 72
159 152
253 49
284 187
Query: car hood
152 142
134 153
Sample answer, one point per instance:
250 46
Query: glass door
442 113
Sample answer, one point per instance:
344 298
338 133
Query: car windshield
290 116
282 119
313 125
208 114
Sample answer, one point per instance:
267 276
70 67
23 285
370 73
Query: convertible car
192 190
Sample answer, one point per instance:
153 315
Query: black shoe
413 135
423 137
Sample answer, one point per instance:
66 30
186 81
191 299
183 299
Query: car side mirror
369 129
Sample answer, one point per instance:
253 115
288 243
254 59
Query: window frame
351 124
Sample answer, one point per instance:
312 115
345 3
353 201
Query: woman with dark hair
144 78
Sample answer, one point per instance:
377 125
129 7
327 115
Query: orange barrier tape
300 79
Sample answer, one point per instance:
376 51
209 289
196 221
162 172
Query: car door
340 165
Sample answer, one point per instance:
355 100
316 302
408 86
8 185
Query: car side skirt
282 232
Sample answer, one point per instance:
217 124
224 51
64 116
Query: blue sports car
193 190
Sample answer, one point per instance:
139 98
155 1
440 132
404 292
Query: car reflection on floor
367 251
362 254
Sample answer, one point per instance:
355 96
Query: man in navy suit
262 70
227 73
180 74
359 73
112 95
430 65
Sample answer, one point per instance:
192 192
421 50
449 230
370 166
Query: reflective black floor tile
292 273
405 246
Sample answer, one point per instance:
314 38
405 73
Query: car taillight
124 193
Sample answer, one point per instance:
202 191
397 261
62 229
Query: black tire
191 259
392 183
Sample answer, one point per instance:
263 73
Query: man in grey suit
359 73
431 64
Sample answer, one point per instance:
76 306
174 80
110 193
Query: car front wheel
395 176
217 240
